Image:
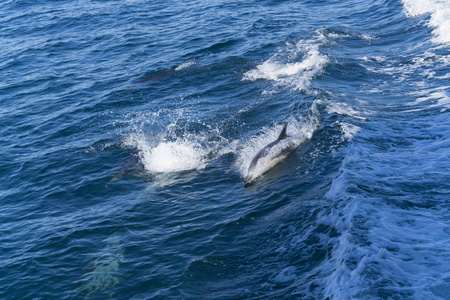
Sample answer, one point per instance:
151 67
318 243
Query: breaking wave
285 69
439 16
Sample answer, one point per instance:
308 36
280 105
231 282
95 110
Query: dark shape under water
129 166
158 76
104 273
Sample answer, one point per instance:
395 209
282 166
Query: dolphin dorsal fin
283 134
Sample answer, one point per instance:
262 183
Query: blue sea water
127 128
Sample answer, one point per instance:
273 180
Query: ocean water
127 128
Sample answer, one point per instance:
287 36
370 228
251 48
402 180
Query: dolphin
163 74
159 75
128 166
269 156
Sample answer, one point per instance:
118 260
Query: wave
283 68
440 16
343 109
387 206
419 70
433 98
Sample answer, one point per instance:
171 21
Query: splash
175 145
160 155
176 156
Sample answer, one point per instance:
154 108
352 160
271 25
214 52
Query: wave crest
440 16
297 75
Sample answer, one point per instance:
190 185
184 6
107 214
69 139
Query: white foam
388 205
446 76
282 69
170 150
342 109
424 66
180 155
440 16
374 58
185 65
349 130
433 98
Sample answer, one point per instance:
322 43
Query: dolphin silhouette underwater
129 166
270 155
163 74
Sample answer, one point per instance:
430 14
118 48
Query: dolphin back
283 134
265 151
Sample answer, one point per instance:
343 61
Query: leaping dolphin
269 156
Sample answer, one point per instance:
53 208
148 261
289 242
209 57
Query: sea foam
440 16
283 69
186 65
176 156
433 98
169 148
390 242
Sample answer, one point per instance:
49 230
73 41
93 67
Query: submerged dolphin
269 156
163 74
128 166
158 75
